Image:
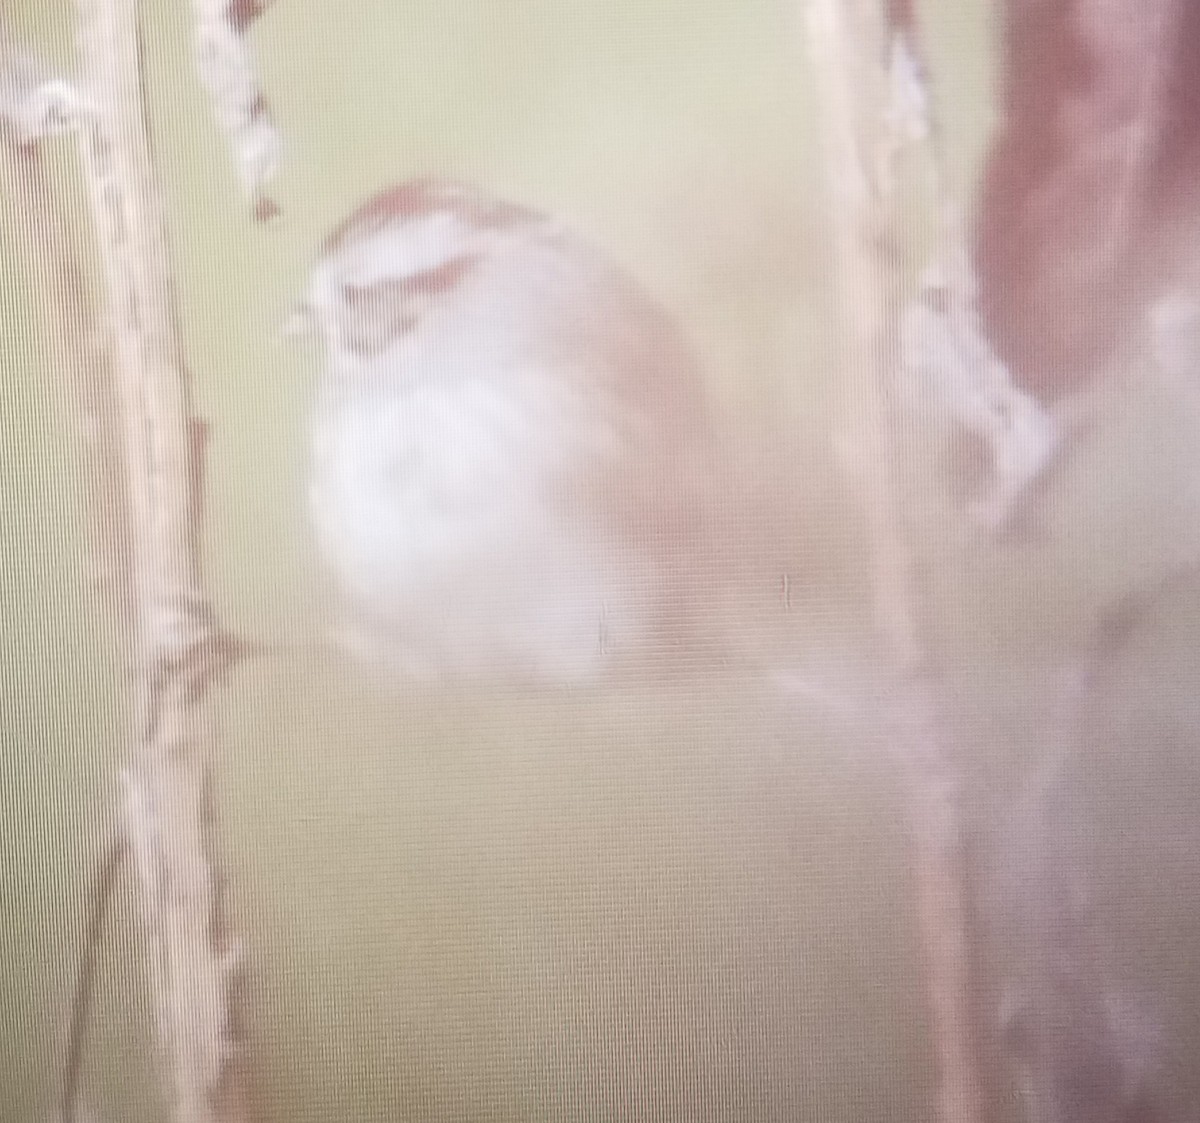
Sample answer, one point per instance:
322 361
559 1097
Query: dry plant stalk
851 43
36 104
225 67
178 649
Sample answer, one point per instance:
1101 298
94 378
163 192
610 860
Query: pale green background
472 908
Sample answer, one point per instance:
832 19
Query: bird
513 456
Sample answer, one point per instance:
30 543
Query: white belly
434 515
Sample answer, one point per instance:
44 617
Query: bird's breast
432 510
412 479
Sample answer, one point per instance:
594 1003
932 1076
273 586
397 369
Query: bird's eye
379 313
371 299
375 315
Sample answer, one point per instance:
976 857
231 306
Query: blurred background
476 907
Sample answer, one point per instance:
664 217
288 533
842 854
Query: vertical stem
850 44
78 352
179 650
